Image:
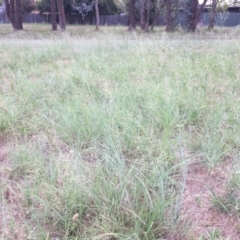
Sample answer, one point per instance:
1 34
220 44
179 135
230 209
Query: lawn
119 135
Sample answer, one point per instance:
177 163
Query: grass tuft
104 126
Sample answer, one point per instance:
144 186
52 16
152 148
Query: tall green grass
104 128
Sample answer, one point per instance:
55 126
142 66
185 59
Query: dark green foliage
28 6
44 6
109 7
106 7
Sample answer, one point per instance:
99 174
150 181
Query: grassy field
119 135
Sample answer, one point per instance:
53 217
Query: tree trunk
132 20
212 15
14 13
97 15
155 19
147 15
197 16
9 13
53 15
62 20
194 16
169 26
19 25
195 13
161 6
142 15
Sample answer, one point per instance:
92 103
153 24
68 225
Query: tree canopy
83 7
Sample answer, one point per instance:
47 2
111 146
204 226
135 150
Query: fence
72 19
229 19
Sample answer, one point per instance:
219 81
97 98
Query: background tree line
146 12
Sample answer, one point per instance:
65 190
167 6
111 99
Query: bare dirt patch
11 214
197 208
4 160
3 149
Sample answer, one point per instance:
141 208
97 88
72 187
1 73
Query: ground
119 135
